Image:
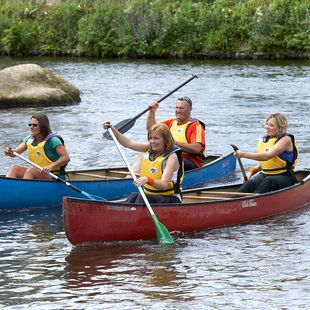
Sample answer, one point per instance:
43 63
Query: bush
157 28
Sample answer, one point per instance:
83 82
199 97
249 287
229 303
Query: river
264 265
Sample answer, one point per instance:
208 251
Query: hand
46 170
249 175
9 152
154 106
141 181
238 154
106 125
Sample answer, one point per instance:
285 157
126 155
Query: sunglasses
33 125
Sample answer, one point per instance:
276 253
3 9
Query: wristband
253 170
150 180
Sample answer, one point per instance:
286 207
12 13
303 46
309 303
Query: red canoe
89 221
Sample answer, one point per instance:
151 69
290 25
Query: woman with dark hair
277 154
160 165
44 148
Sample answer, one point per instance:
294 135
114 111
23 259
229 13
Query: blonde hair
281 121
164 131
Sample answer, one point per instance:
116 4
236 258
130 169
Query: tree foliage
156 28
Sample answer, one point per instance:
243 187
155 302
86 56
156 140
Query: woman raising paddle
160 165
44 148
277 154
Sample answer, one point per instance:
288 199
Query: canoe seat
103 177
216 195
203 197
120 172
229 194
125 173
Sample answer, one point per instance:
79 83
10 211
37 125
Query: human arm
193 148
19 149
164 182
124 141
63 159
253 170
151 120
284 144
136 167
196 139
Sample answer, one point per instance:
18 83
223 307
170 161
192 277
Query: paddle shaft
163 235
240 163
161 99
55 176
125 125
131 172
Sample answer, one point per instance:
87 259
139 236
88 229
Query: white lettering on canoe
249 203
121 208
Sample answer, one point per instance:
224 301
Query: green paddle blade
163 235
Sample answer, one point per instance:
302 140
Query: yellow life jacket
155 168
283 162
179 134
37 153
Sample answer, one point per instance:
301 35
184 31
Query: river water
264 265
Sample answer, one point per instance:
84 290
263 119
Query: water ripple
262 265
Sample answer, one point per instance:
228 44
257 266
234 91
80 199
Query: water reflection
92 266
99 265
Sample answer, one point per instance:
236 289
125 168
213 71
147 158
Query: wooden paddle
240 163
60 179
163 235
128 123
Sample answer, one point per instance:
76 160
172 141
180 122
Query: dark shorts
188 164
153 199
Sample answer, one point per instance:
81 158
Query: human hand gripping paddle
240 163
126 124
163 235
60 179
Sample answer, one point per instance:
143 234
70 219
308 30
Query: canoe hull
94 221
27 194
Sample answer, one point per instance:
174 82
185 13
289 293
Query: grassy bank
158 28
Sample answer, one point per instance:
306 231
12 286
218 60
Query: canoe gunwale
213 160
229 199
88 222
17 194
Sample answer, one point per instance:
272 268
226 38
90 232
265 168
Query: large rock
30 85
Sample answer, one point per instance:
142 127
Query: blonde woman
277 154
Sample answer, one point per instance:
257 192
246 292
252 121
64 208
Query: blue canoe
108 183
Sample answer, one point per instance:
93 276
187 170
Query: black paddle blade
234 147
122 127
125 125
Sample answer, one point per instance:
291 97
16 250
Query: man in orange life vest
189 133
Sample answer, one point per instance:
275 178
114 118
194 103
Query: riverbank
226 29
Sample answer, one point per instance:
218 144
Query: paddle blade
122 127
234 147
163 235
92 197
